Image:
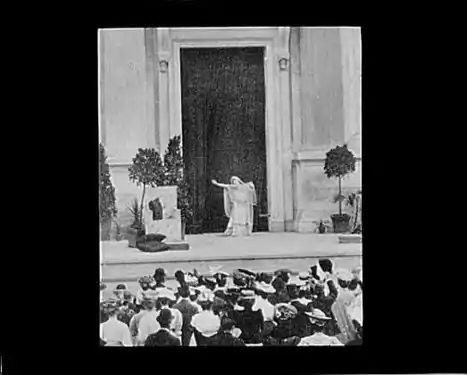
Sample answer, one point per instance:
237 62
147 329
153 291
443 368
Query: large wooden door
223 121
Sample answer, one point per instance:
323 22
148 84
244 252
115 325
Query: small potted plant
340 161
322 226
354 200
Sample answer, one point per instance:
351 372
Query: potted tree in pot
340 161
107 209
174 166
146 171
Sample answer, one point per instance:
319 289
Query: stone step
350 238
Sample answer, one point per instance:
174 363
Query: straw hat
343 275
317 314
165 293
206 296
265 288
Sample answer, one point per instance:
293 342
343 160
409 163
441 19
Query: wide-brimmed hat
304 276
247 295
343 275
120 288
110 305
206 296
285 311
296 281
146 280
317 314
165 293
265 288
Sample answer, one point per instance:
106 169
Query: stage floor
217 246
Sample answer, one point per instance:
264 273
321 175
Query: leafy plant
174 176
339 162
107 209
147 170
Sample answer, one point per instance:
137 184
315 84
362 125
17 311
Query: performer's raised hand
214 182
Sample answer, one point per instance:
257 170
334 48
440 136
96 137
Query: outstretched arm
219 184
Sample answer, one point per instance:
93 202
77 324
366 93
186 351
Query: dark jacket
226 339
301 326
251 324
324 303
188 311
162 338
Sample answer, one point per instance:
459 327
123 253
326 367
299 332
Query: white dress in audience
115 333
320 339
206 323
147 325
266 307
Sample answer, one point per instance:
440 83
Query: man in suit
188 310
164 336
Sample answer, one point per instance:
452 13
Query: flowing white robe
238 204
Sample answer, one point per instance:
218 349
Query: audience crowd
320 307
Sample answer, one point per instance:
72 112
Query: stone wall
329 87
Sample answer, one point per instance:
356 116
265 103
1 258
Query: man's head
165 318
326 265
318 319
184 291
159 275
180 277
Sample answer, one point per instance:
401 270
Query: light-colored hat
165 293
304 276
265 288
247 294
294 280
343 275
150 295
317 314
206 296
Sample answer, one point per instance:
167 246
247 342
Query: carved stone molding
282 49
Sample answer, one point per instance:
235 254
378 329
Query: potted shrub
174 176
107 209
339 162
146 170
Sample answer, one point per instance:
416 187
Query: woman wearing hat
248 320
144 282
340 307
319 338
114 332
206 323
324 302
148 323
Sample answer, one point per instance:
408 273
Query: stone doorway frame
275 41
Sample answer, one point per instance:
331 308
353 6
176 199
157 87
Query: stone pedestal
170 225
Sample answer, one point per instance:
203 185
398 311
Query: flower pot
340 223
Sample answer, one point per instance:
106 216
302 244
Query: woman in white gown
239 199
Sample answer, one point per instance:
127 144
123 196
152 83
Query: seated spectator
206 323
164 336
227 335
319 338
113 332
